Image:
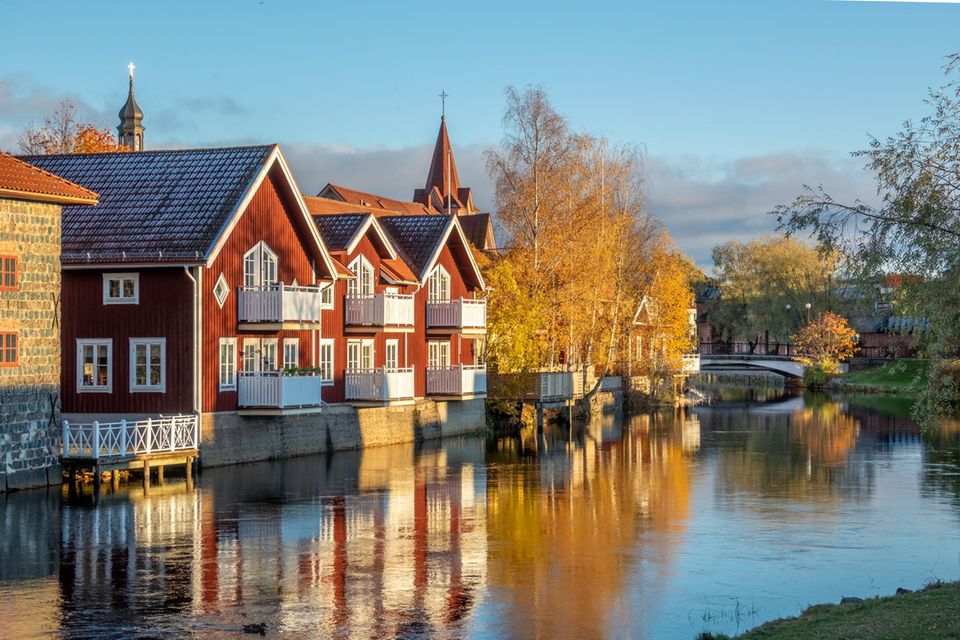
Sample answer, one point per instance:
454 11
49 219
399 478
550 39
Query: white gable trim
451 226
371 221
275 157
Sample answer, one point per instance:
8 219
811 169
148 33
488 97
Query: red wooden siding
164 311
268 217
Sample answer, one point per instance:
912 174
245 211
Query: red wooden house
193 283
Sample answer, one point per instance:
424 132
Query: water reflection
659 525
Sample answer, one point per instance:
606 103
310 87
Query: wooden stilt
97 478
115 480
146 476
160 474
189 473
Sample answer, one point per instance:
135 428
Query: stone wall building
30 223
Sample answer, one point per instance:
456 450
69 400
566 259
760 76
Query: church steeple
443 169
130 130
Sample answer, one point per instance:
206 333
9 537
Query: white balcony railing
379 385
461 380
691 363
459 314
279 303
129 438
383 309
274 390
561 385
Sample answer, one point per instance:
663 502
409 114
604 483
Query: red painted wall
165 311
267 218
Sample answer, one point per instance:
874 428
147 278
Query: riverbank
933 612
898 377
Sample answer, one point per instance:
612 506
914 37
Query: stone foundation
227 438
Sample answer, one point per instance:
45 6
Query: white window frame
438 354
224 286
228 346
81 387
438 285
121 299
295 344
149 343
391 354
359 286
326 297
364 356
327 359
253 359
257 262
266 345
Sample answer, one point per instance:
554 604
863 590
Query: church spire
130 130
443 170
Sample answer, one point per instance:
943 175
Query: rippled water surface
656 526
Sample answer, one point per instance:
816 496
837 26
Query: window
259 266
121 288
9 275
360 355
326 297
291 353
9 353
363 284
148 364
268 354
251 355
326 360
438 354
221 290
438 285
391 355
228 364
95 366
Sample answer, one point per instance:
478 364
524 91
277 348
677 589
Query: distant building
30 207
130 129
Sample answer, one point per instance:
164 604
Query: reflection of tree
941 468
551 530
802 455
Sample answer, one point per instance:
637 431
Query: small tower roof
443 168
130 110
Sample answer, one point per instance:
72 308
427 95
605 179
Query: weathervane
131 67
443 103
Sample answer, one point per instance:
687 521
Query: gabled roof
420 239
375 203
23 181
174 206
345 232
478 228
396 271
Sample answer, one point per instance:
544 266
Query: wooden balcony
458 382
384 311
275 392
379 385
278 306
462 316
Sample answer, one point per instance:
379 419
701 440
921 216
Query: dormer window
363 285
439 285
259 266
121 288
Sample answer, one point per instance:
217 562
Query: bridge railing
747 348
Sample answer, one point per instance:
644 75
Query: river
650 526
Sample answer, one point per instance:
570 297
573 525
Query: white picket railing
460 380
463 313
379 385
561 385
278 391
691 363
383 309
129 438
279 303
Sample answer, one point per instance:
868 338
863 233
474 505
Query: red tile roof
25 181
398 270
375 203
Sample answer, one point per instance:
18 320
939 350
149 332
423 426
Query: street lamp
807 306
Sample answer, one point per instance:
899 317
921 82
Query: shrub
817 375
942 394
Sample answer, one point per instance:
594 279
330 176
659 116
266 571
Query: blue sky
737 103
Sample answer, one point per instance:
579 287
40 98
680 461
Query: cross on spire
443 103
131 67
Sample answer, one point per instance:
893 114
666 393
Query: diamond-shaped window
221 290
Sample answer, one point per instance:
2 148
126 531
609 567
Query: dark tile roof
416 237
338 229
20 179
165 206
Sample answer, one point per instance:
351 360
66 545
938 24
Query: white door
392 355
